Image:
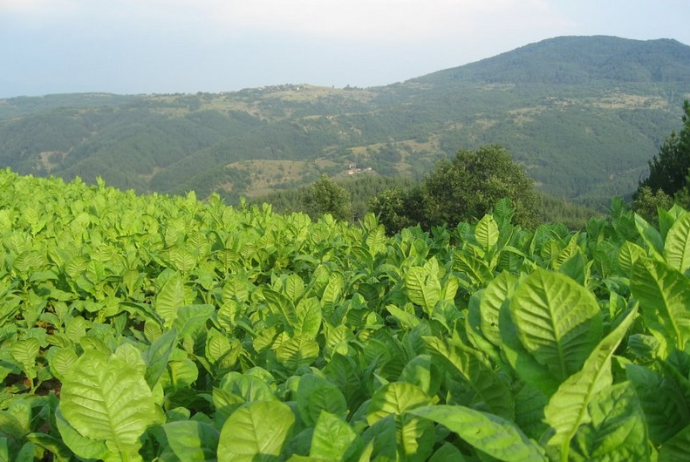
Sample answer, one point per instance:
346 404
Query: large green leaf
51 443
179 375
666 406
664 296
316 395
423 288
490 390
25 353
11 426
81 446
381 440
424 373
529 411
61 361
248 387
106 399
489 433
157 356
309 316
331 438
414 437
447 453
294 288
475 272
628 254
279 303
567 408
558 321
192 441
170 298
4 450
406 318
524 363
676 448
617 430
332 293
394 399
677 245
650 236
297 352
486 232
255 432
490 304
191 318
220 352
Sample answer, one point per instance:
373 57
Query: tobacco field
157 328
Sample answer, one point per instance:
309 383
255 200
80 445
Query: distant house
352 169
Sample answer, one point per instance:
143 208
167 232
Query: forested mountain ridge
582 114
579 60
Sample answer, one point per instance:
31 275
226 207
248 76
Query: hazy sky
161 46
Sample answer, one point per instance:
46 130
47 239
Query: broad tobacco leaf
106 399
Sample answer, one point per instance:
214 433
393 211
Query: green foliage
360 190
491 434
669 172
256 431
106 399
647 202
326 196
554 210
470 185
164 328
463 189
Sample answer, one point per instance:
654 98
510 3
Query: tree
669 173
468 187
326 196
397 208
669 170
464 188
647 202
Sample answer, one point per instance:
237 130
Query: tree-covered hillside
579 60
583 115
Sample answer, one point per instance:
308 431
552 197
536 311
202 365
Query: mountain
582 114
579 60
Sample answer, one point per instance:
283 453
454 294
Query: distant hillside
581 61
582 114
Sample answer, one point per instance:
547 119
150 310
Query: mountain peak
578 60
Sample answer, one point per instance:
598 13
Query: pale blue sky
161 46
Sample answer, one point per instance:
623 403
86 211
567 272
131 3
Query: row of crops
168 329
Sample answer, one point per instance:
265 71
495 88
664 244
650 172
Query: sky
187 46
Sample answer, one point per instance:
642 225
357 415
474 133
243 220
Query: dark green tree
669 174
326 196
398 208
462 189
468 186
669 170
647 202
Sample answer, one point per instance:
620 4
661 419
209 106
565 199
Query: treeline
669 175
461 189
359 193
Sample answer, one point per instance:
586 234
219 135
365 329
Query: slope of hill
583 114
579 60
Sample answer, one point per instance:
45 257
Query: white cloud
360 20
381 19
37 8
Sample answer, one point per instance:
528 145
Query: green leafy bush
164 328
